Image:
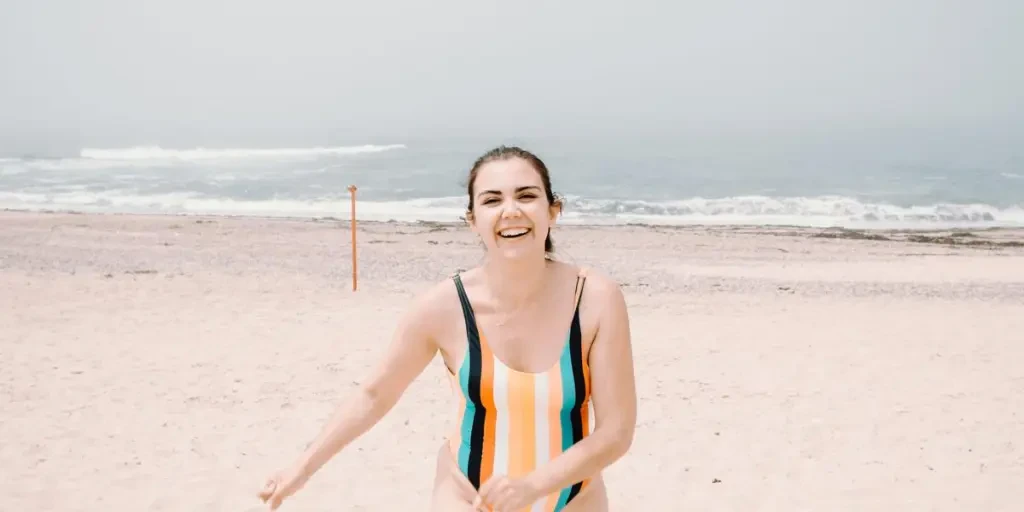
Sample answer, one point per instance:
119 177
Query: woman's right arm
412 348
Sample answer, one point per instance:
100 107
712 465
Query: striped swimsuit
511 422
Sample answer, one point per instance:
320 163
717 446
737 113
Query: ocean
601 183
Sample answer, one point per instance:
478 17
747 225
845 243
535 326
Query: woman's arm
613 391
411 350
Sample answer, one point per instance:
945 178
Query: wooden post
352 191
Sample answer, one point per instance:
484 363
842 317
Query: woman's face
511 214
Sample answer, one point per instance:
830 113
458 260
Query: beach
171 363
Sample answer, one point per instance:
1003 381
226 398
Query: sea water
666 184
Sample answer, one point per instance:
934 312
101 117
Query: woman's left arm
613 391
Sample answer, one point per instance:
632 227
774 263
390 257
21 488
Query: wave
825 211
826 207
158 153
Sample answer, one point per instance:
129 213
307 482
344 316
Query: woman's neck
514 283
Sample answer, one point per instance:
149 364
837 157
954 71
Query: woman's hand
282 485
504 494
411 350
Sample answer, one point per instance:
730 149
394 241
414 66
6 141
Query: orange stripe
554 423
585 410
529 422
586 374
487 398
522 439
585 413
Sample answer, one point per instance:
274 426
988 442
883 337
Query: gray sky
306 72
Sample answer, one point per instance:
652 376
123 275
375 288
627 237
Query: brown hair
506 153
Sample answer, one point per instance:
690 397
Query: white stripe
501 428
540 414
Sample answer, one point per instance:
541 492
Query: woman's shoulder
602 301
603 305
598 284
439 293
430 308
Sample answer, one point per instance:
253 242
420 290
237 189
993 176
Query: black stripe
467 314
576 358
476 437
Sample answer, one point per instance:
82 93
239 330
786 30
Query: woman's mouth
513 233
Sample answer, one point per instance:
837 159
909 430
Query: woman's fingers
276 499
268 490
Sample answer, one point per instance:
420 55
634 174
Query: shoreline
992 237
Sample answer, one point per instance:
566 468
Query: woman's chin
518 252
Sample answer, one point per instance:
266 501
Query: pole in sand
352 191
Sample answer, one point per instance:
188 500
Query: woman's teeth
513 233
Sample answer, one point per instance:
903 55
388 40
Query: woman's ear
555 209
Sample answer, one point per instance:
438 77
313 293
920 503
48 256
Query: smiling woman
504 157
535 350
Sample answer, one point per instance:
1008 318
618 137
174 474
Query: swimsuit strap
467 313
575 327
581 279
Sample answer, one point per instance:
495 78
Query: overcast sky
311 72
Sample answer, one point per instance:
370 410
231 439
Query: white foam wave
159 153
83 164
144 157
822 210
745 210
1012 176
193 203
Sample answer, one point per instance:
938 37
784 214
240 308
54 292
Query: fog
114 73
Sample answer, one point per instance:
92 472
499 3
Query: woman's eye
527 196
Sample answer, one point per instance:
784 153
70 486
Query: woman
528 343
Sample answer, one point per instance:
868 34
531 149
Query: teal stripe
467 417
563 497
568 400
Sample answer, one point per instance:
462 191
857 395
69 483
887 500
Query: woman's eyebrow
518 189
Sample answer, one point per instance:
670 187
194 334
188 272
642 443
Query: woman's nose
511 209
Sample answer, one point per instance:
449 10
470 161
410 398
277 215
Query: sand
171 363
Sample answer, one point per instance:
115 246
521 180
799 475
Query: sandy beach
170 363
